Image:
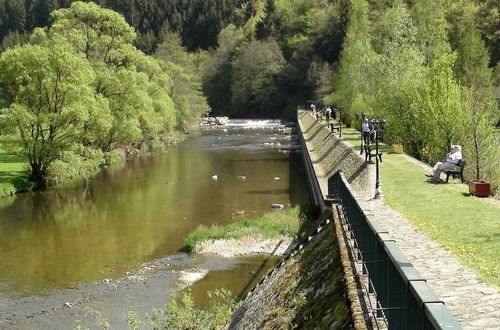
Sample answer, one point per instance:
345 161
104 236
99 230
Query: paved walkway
476 305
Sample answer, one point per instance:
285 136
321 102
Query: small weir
94 245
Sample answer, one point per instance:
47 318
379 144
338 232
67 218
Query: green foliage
488 20
307 32
397 63
217 70
354 78
80 90
430 20
198 22
49 101
256 75
185 71
442 110
472 65
184 314
273 224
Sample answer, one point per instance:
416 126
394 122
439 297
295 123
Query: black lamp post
360 132
340 107
378 156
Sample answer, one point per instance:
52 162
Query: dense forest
429 67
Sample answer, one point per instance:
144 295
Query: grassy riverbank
468 227
284 222
13 175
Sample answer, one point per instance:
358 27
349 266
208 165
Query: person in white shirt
365 131
328 113
448 163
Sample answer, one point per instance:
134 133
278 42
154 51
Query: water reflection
144 209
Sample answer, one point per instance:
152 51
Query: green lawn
468 227
12 174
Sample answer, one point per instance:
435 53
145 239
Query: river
77 243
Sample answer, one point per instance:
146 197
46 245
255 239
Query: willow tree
49 99
137 106
440 98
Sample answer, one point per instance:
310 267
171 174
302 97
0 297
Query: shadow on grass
12 179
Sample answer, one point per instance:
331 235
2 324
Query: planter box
479 188
398 149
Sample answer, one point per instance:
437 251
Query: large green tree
353 82
49 100
256 74
432 28
135 87
184 69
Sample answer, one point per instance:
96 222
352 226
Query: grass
13 176
287 222
468 227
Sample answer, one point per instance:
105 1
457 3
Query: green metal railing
404 300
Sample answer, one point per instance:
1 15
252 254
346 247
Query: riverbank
13 176
271 234
14 172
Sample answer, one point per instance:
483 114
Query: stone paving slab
475 304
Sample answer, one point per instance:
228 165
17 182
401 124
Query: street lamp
379 126
360 132
340 107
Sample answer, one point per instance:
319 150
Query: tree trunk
37 174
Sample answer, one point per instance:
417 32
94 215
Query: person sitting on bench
448 163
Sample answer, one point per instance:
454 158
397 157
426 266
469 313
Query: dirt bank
248 245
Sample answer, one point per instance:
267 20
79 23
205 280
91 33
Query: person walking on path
365 131
328 114
448 163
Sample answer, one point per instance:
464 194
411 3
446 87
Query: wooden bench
334 128
369 154
459 173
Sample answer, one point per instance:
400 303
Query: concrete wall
329 154
318 269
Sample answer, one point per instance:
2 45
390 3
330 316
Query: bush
184 314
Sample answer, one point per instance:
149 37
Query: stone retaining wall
330 154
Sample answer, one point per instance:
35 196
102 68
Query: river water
60 245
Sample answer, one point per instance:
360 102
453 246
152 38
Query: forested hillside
427 66
198 22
